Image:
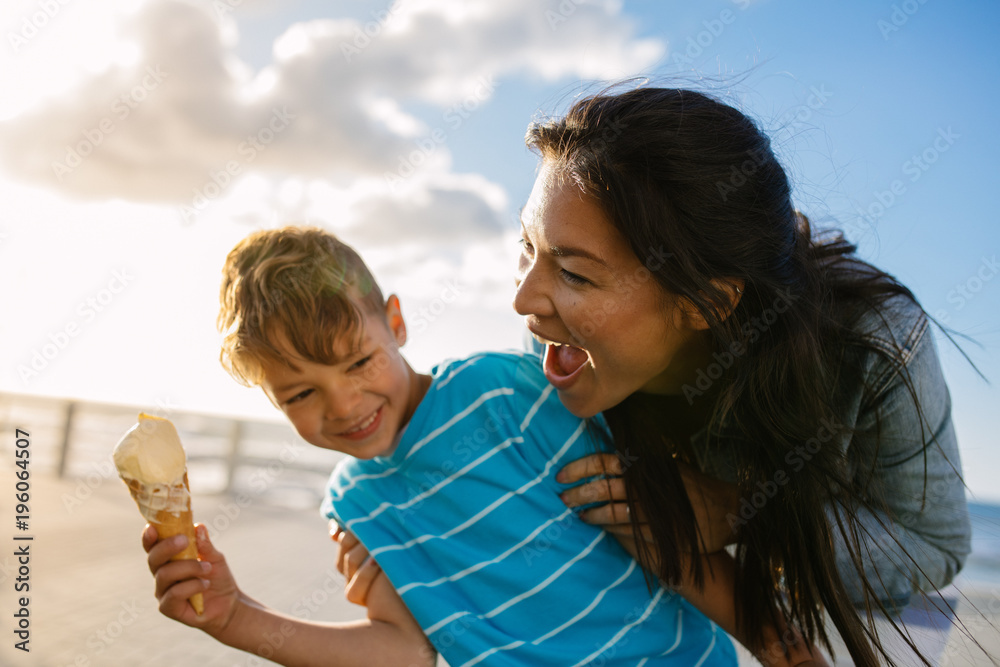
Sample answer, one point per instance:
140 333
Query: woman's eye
524 243
573 279
298 397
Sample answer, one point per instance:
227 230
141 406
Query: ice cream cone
152 463
168 509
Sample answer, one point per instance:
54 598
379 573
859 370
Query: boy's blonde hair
300 281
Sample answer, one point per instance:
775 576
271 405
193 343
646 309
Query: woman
765 388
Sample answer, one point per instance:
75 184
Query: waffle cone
168 509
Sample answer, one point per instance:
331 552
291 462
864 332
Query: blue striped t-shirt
465 519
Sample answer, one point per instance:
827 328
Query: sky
141 139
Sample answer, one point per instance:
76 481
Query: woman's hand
353 562
176 581
712 501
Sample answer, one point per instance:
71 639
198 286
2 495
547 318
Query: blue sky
883 112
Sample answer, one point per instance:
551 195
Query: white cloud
157 124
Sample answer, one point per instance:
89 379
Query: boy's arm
389 636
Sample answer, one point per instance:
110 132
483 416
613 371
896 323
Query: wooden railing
74 438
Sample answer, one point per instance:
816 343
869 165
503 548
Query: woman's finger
589 466
596 491
608 515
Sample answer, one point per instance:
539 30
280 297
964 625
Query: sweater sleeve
907 462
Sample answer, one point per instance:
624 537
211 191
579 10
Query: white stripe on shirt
649 609
711 645
492 506
548 580
458 370
534 408
677 639
478 566
451 422
589 607
482 656
437 487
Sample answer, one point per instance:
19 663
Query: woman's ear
394 319
692 318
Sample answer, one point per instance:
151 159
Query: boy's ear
394 318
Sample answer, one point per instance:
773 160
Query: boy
451 487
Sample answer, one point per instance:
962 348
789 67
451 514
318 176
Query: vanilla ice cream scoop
152 462
151 452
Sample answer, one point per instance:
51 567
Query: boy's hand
176 581
354 563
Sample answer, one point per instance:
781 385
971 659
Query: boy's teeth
365 425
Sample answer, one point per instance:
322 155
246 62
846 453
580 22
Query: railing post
66 439
235 435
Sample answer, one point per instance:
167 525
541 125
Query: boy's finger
164 550
174 601
360 584
589 466
149 537
206 550
355 558
176 572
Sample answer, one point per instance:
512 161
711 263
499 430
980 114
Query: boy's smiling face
358 404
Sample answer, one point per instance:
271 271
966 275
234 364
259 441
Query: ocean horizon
983 564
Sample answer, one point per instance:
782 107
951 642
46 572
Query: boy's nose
343 404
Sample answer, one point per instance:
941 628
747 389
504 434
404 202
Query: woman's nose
530 297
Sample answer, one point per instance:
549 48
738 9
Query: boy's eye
360 363
298 397
573 279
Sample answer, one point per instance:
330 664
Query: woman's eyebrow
572 251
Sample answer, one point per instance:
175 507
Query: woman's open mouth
563 364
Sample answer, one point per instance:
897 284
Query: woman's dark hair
678 170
